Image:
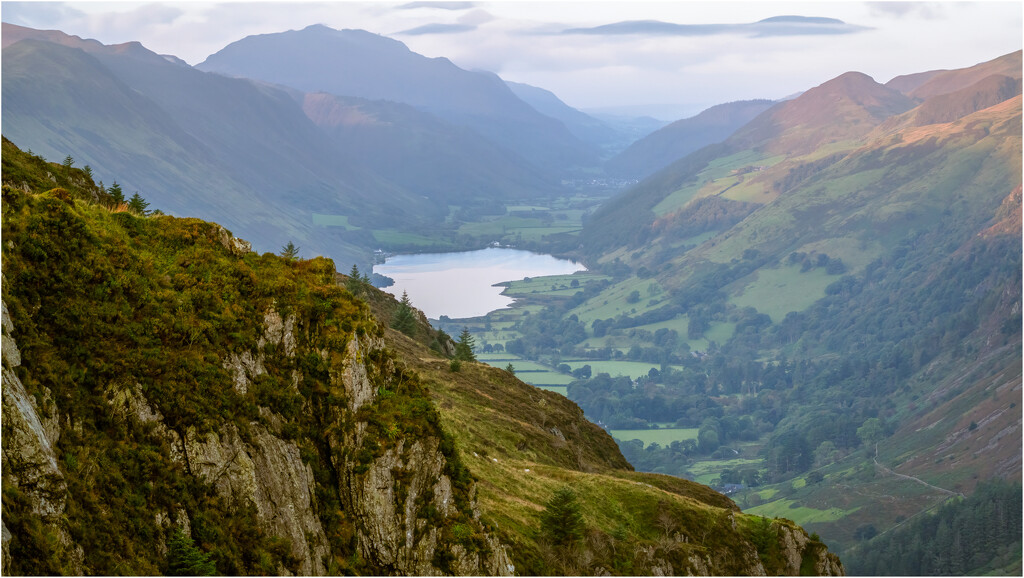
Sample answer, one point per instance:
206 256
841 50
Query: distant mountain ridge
142 118
682 137
366 65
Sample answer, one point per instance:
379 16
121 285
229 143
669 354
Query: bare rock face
389 499
269 473
29 461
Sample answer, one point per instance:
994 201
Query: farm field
663 436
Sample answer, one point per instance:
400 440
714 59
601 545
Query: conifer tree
290 251
510 368
116 193
405 319
354 284
138 205
464 348
561 522
185 559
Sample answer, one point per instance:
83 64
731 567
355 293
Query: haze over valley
759 268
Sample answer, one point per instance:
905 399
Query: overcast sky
595 54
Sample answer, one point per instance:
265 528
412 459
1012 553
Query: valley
748 341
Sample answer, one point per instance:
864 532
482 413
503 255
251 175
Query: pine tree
67 164
561 522
290 251
116 193
405 319
185 559
138 205
464 348
354 284
510 368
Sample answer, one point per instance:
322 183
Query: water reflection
461 284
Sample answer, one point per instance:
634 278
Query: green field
632 369
707 470
777 292
332 221
663 437
528 371
802 515
613 300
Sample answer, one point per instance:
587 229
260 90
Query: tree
138 205
354 284
561 522
290 251
871 431
510 368
87 170
185 559
67 164
116 193
404 319
464 348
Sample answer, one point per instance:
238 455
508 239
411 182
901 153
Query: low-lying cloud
776 26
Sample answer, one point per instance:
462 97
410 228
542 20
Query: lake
462 284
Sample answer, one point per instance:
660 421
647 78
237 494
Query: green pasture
333 221
663 436
632 369
777 292
612 301
791 509
707 470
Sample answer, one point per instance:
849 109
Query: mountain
948 81
683 137
847 267
142 120
842 109
583 126
301 171
174 402
449 164
365 65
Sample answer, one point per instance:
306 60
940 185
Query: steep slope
362 64
148 121
842 109
583 126
948 81
683 137
449 164
161 377
851 289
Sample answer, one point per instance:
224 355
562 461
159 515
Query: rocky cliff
158 376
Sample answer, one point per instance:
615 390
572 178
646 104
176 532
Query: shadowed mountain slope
682 137
361 64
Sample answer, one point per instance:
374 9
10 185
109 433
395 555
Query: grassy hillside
162 356
823 292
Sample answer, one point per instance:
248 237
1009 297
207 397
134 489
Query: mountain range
828 289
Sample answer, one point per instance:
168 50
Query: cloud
776 26
926 10
438 28
438 5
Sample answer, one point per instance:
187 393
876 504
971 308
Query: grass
632 369
777 292
333 221
792 510
707 470
712 180
613 300
663 436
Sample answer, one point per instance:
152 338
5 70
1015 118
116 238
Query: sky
669 59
